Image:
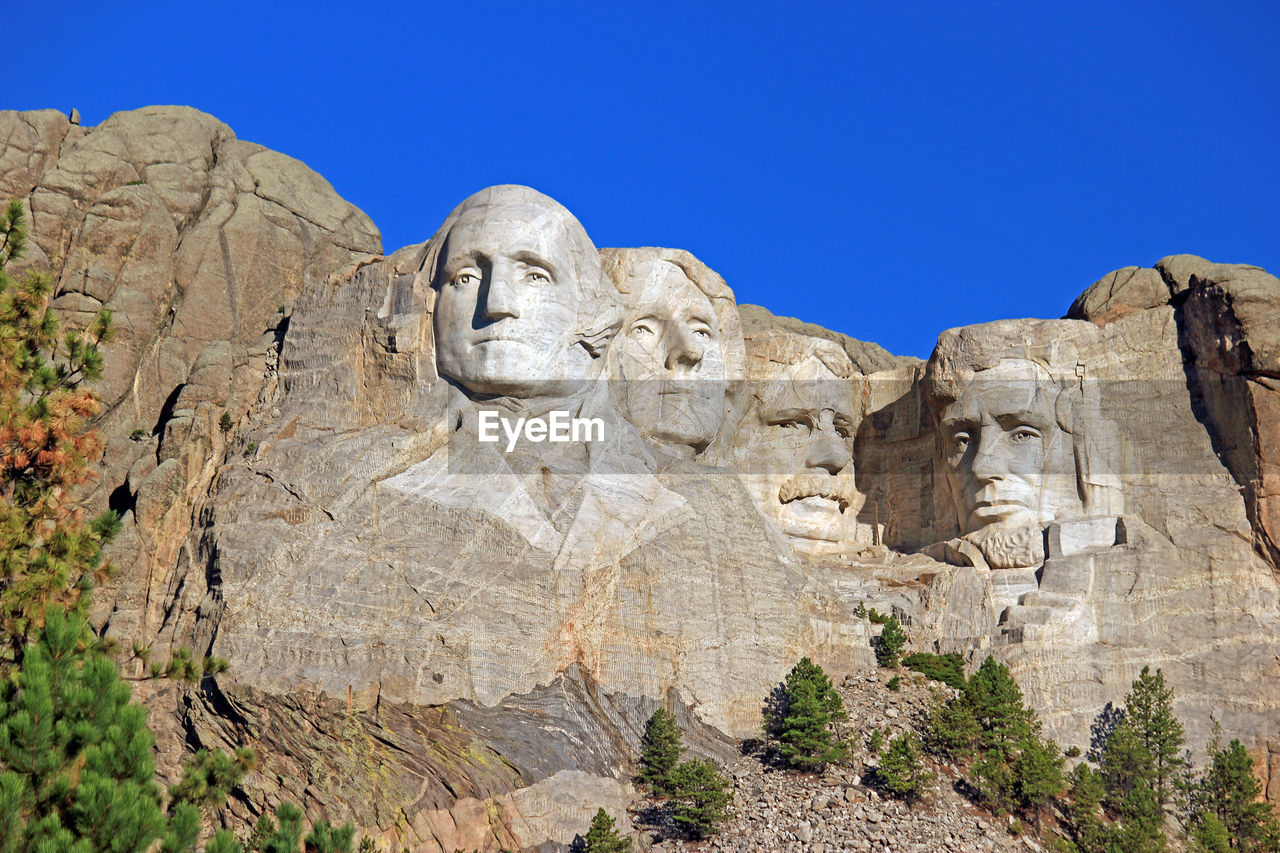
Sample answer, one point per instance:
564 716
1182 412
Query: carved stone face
795 449
1007 461
509 302
669 356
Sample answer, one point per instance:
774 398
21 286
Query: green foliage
948 668
1148 710
890 643
876 742
701 796
895 683
1208 835
48 552
1072 751
1037 772
860 611
811 706
602 837
208 777
660 750
902 770
1124 763
1015 766
878 618
138 435
325 838
1229 792
1088 831
225 423
951 730
75 753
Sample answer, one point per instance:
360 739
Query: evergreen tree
995 700
951 730
660 750
1088 831
811 706
1037 772
1148 710
702 796
1124 762
891 642
602 838
1229 792
1208 835
48 552
75 753
902 769
326 838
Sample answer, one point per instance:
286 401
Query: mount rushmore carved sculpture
492 621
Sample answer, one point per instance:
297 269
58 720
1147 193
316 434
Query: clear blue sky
886 169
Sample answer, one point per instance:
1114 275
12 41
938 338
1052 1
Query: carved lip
840 500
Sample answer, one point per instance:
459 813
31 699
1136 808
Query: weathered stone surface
456 646
195 241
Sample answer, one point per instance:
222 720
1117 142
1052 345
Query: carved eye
1021 435
466 278
538 276
960 442
641 329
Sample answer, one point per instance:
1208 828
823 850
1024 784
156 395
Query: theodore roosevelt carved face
522 308
794 446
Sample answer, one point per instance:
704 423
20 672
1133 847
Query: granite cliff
456 647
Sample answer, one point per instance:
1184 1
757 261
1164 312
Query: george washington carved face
518 289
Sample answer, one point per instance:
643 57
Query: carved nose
683 349
501 300
988 460
827 453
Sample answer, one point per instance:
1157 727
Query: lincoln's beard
1010 547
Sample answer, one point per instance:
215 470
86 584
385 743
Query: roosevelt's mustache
836 487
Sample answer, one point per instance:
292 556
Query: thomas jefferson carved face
1008 462
511 304
796 454
669 356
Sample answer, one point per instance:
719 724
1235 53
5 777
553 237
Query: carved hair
600 313
768 351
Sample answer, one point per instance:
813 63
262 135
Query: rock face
450 627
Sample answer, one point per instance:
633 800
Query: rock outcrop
456 642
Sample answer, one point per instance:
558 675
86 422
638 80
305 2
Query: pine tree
660 750
890 643
602 837
75 753
951 730
811 706
995 700
1229 791
902 769
1148 710
701 795
1037 772
48 552
1208 835
1123 763
1087 829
